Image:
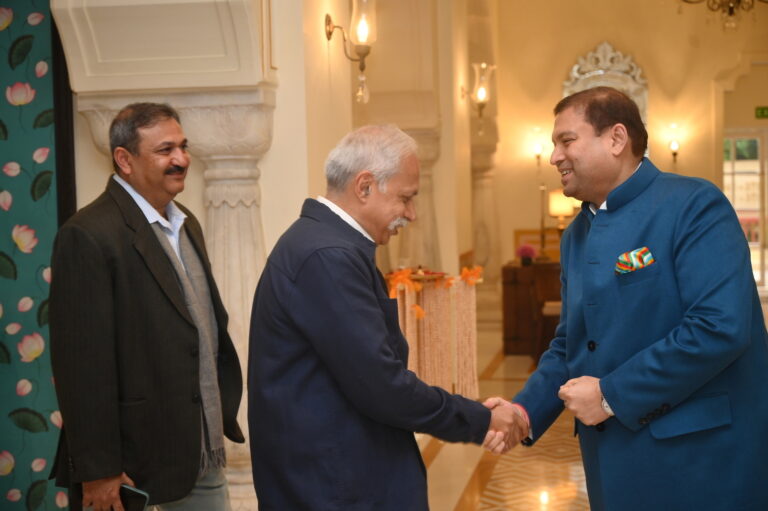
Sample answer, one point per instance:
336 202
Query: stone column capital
234 123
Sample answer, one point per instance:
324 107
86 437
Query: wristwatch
606 406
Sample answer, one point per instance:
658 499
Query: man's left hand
583 397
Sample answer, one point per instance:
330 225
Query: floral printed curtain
29 416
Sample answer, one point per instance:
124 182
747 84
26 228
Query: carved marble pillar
229 132
404 91
483 146
230 138
485 225
419 243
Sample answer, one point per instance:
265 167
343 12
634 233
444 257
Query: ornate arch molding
606 66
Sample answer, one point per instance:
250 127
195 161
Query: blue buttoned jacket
332 406
680 348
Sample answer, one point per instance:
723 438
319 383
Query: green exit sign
761 112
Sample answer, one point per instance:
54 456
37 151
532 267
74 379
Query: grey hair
379 149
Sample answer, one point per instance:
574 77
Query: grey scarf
197 297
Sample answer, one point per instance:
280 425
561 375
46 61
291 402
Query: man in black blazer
147 378
332 405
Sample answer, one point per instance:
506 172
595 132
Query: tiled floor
547 476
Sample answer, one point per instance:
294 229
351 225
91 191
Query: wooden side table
522 309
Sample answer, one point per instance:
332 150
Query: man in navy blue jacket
332 407
661 349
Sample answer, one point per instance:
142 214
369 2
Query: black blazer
125 353
332 406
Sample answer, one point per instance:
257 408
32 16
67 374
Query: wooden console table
522 305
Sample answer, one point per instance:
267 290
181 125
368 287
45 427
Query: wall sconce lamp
560 207
673 134
481 91
674 146
363 35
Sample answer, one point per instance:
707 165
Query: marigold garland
472 276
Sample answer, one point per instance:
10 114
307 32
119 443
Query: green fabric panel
29 417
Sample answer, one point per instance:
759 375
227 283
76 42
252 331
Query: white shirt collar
344 216
176 216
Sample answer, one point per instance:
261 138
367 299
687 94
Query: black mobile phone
133 499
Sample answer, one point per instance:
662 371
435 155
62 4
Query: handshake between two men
510 423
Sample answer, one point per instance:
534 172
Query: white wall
313 108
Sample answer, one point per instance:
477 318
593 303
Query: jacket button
643 421
600 427
591 345
195 398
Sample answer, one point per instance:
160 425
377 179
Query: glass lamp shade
481 92
559 204
362 29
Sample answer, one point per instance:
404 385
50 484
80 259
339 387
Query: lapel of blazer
149 247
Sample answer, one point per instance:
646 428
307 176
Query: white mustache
398 223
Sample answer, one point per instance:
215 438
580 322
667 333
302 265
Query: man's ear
619 139
363 184
124 160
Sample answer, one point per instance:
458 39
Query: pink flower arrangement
14 495
6 200
31 347
19 94
41 154
526 250
11 169
6 17
24 237
23 387
7 462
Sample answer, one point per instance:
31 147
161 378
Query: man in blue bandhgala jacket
661 349
332 407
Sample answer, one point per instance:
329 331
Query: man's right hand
104 494
507 428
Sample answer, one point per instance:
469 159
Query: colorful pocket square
634 260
